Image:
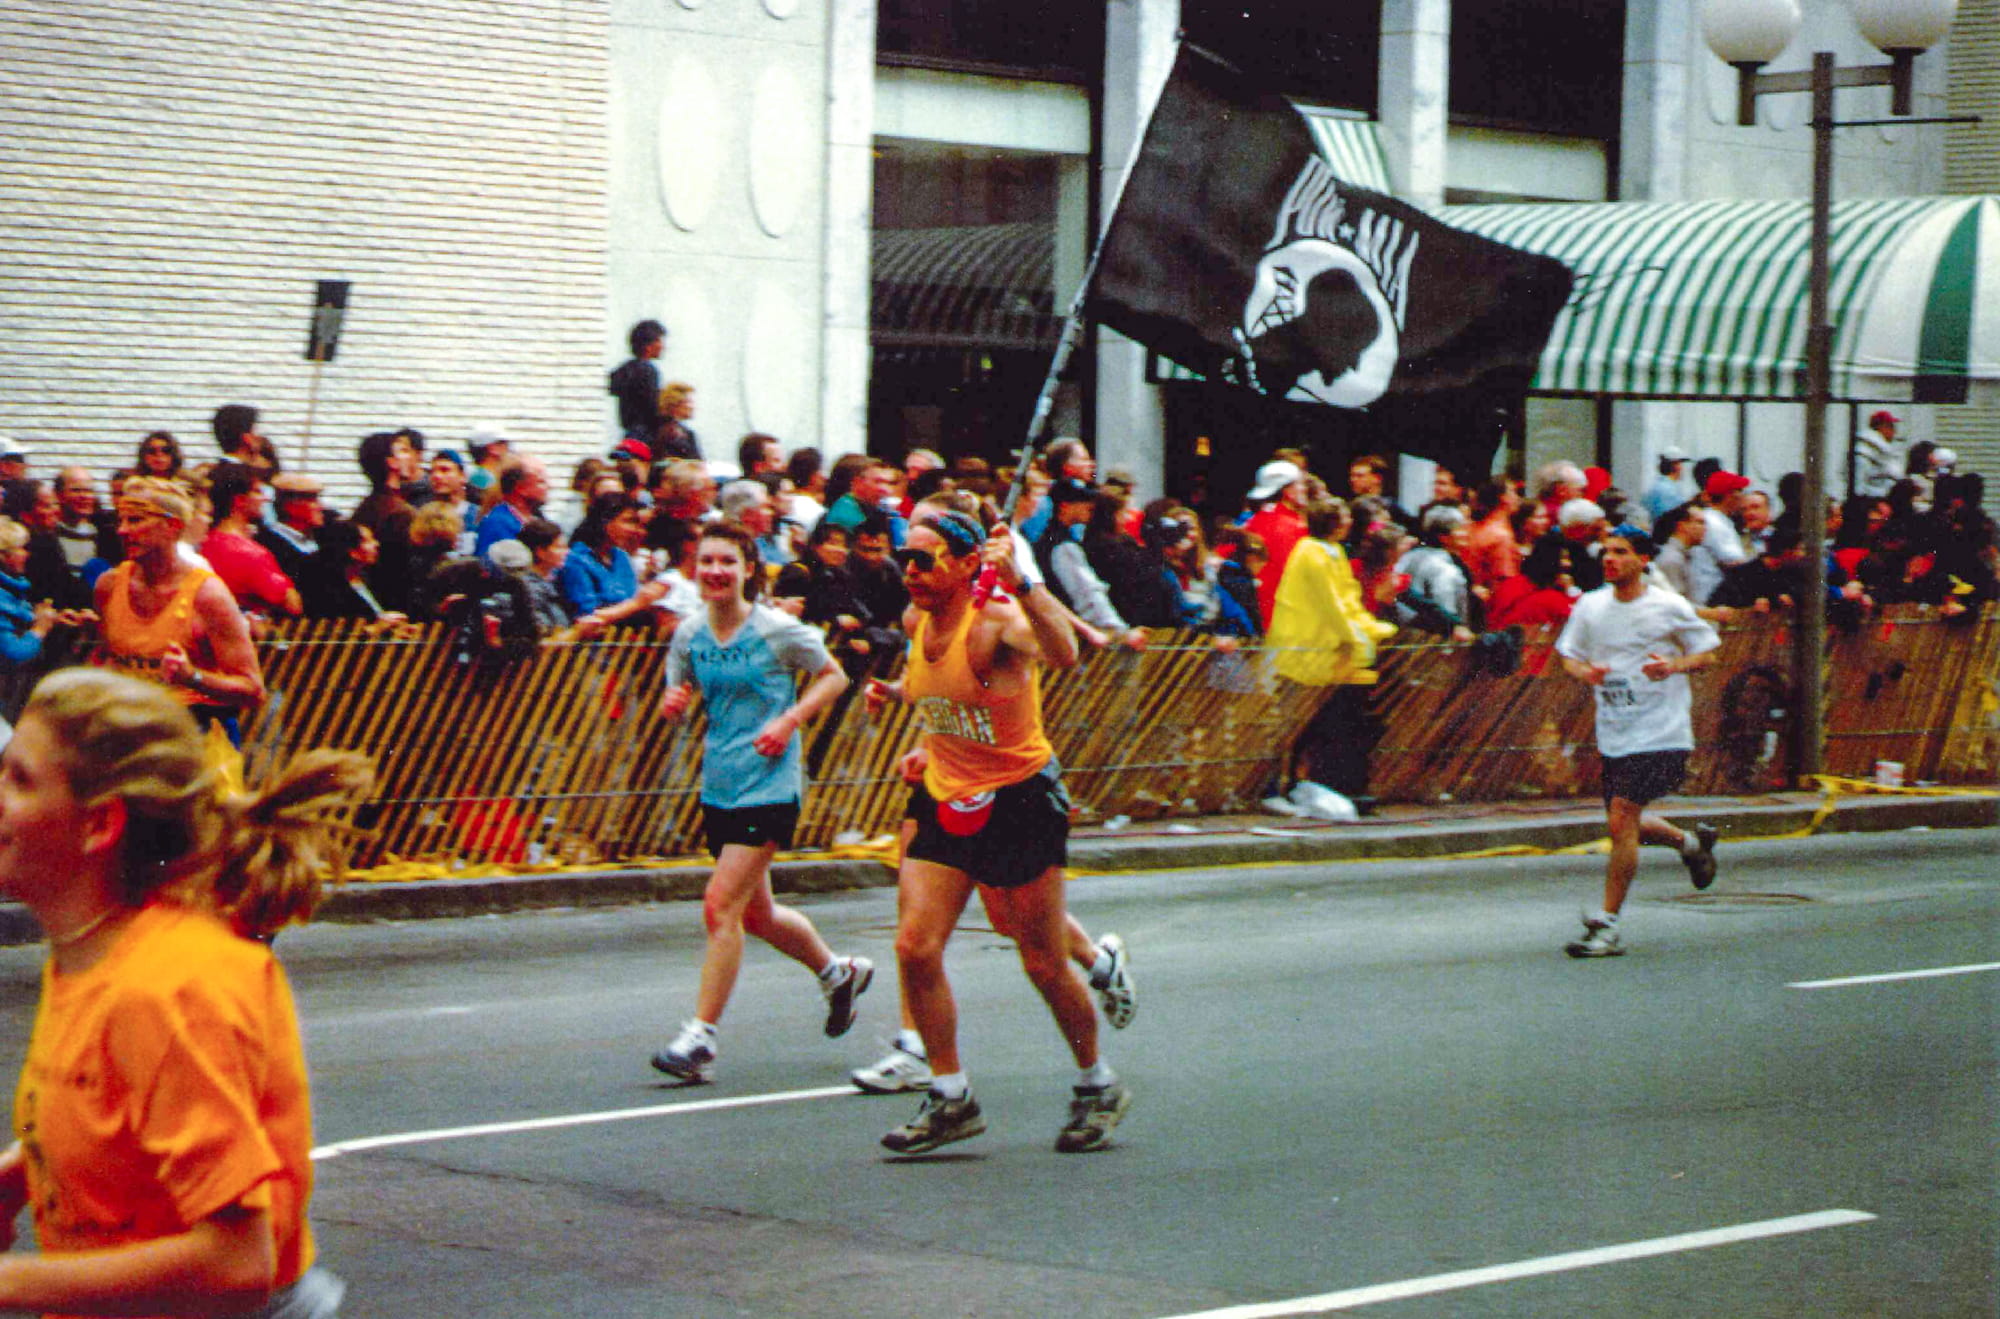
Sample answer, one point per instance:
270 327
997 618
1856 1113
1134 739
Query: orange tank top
133 644
978 741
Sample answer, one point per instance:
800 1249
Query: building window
1049 39
971 246
1538 66
1326 54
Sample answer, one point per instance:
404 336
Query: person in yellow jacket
1322 635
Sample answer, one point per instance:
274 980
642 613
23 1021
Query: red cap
1723 484
1595 482
1882 416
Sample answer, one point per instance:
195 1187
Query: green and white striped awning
1708 299
1350 145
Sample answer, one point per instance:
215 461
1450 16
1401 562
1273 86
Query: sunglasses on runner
921 560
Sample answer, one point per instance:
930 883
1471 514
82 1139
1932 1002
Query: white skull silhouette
1278 297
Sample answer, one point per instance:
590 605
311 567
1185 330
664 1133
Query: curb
1103 853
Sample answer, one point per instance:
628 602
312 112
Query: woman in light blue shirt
746 658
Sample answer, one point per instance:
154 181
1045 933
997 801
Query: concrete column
1652 166
1413 97
1138 55
850 186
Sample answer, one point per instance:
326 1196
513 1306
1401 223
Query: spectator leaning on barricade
1440 597
348 553
33 504
547 550
1539 593
1066 569
251 572
1581 524
434 544
859 486
1232 574
599 583
877 578
1753 521
1677 532
1142 588
24 625
524 488
169 618
1323 635
1720 547
827 599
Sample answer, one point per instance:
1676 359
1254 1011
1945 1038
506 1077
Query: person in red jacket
1279 496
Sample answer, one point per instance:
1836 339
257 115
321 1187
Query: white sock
1096 1076
707 1028
952 1086
1603 917
1689 843
831 973
1100 970
910 1042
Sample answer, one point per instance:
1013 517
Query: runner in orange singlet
170 619
991 814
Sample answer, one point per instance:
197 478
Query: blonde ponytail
259 859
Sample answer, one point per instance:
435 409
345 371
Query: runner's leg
1623 863
1033 916
929 900
738 899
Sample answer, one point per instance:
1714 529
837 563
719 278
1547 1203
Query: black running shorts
1004 839
749 826
1644 776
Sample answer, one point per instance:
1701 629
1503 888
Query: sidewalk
1428 832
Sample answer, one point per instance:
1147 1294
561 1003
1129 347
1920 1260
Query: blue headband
959 530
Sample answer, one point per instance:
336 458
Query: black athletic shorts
1002 839
1644 776
751 826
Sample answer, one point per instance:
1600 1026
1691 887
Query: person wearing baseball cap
1670 488
13 459
1720 546
1279 497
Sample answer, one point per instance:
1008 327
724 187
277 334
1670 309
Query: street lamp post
1749 34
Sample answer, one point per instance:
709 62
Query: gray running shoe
939 1122
1117 992
690 1058
1093 1113
842 993
1600 939
1701 864
898 1072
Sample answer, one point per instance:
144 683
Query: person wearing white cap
13 459
1671 488
1278 496
488 444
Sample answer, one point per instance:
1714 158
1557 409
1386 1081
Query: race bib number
1623 700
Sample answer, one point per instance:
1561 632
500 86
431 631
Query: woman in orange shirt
162 1118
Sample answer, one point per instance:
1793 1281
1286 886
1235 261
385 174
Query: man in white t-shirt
1720 546
1635 644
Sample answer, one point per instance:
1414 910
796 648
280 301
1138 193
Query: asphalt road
1364 1076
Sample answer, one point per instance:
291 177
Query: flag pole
1072 331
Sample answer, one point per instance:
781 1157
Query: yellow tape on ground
396 870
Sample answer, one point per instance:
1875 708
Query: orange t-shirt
164 1084
978 741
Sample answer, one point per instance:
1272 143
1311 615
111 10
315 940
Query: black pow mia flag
1237 253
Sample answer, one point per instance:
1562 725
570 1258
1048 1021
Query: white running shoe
691 1057
1117 993
898 1073
842 994
1600 938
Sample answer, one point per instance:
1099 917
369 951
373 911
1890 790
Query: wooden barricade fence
561 756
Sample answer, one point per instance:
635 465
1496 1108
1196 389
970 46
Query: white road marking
1530 1268
1885 978
356 1146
